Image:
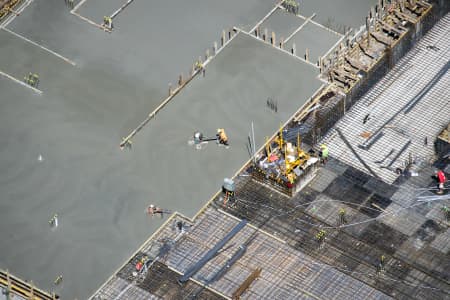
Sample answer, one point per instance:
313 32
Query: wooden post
215 48
368 31
265 34
448 132
222 39
294 50
307 54
282 43
273 42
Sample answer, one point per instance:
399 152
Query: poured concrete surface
316 39
282 23
338 14
153 41
99 192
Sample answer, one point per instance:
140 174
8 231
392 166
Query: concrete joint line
267 16
40 46
21 83
91 22
77 6
282 50
300 27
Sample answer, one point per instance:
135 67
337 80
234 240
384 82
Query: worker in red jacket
441 180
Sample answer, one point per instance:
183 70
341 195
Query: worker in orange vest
222 136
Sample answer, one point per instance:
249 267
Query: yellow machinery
293 156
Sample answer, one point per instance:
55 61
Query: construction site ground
60 149
391 241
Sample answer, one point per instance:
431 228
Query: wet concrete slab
318 40
153 42
99 192
24 57
339 14
231 95
282 23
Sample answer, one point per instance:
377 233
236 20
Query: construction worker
320 237
107 22
198 65
323 153
441 180
222 137
342 217
35 78
152 210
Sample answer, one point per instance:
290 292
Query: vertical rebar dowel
215 48
294 50
265 34
448 132
272 40
229 34
207 54
170 89
180 80
222 39
282 43
368 31
307 54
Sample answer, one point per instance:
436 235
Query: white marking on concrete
114 14
91 22
267 16
300 27
282 50
77 6
40 46
320 25
21 83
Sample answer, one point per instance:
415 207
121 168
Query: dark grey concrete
317 39
282 23
338 14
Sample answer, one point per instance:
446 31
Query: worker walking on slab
107 22
222 137
441 180
152 210
323 153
